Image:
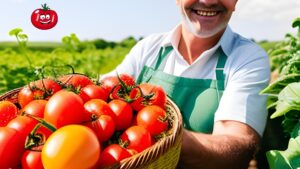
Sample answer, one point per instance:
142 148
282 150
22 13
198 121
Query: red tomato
110 82
151 95
8 111
154 119
123 112
64 108
25 125
71 147
104 127
35 108
112 154
75 80
93 92
12 147
137 137
31 159
97 107
44 18
41 89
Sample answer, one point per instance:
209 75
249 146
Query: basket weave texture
164 154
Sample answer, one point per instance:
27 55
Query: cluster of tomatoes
72 122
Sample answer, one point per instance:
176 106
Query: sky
118 19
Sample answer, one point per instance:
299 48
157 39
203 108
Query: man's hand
231 145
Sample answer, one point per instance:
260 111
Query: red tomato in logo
44 18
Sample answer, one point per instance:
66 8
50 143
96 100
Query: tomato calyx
123 144
35 139
45 7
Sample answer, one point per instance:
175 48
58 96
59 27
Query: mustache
212 7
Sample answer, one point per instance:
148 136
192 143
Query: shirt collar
226 42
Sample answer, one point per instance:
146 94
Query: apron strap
220 65
163 52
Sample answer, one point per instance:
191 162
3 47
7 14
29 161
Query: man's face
205 18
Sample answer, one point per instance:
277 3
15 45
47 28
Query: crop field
19 62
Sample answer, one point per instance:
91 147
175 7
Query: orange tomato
72 146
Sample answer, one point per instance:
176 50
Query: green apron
197 99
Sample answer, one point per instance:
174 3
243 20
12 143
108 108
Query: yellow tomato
71 147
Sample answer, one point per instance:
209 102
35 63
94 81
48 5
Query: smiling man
214 76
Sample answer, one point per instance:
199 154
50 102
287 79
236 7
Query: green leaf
277 161
23 36
66 40
288 159
281 83
74 38
296 23
15 32
296 131
288 99
290 120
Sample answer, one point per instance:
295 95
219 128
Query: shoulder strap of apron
163 52
220 76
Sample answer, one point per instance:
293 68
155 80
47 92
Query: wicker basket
162 155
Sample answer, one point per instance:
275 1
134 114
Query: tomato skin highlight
93 92
137 137
12 147
123 112
104 127
8 111
64 108
35 108
32 160
72 146
112 154
153 118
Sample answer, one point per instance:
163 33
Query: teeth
206 13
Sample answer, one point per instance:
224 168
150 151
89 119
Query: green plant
285 97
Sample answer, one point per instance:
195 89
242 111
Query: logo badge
44 18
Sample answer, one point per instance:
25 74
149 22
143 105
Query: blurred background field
17 65
88 57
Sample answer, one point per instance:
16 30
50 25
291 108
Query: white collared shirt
247 72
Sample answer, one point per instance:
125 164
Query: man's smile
205 13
